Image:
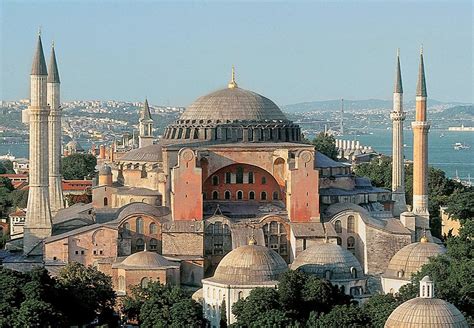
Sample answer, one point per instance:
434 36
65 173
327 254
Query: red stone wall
186 187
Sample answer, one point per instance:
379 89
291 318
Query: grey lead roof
53 76
398 78
39 64
421 84
233 104
145 114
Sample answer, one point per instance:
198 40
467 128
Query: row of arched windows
152 228
140 244
350 225
239 195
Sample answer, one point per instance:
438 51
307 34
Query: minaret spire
421 84
398 169
39 64
54 134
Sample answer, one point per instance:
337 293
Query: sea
441 152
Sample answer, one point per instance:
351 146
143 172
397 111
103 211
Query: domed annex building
408 261
426 311
230 167
330 261
240 271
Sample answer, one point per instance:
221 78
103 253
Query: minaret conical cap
398 76
39 64
53 76
145 113
421 85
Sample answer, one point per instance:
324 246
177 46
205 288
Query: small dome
145 260
426 312
328 257
74 145
411 258
233 104
250 265
105 170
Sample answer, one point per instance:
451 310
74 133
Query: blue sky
173 52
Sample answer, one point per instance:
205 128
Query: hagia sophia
227 200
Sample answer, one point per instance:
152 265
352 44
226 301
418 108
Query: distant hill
352 105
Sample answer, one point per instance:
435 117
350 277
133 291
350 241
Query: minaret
38 216
398 169
420 153
145 137
54 124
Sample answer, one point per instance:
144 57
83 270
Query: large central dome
233 115
233 104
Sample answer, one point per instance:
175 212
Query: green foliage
326 144
378 170
90 293
78 166
379 307
461 205
6 167
223 320
162 306
298 295
348 315
18 198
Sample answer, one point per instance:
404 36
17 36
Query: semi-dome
411 258
233 104
250 265
105 170
328 260
426 311
145 260
233 114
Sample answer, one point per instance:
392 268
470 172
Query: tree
88 292
158 305
6 167
379 307
461 205
348 315
11 295
326 144
378 170
78 166
223 321
260 301
19 198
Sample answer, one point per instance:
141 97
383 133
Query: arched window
153 244
250 177
328 274
275 195
215 180
275 237
227 195
144 282
140 245
121 283
353 273
339 241
350 243
338 226
106 201
400 273
263 195
239 177
240 295
139 225
264 180
132 200
252 195
350 223
127 226
228 177
240 195
153 228
215 194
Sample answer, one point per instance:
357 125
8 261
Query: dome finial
424 239
232 84
252 240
